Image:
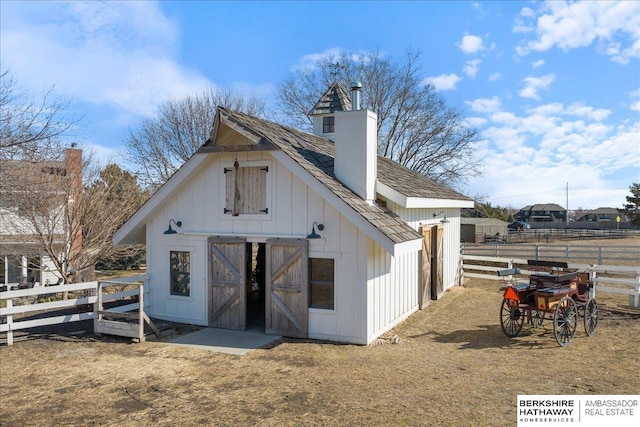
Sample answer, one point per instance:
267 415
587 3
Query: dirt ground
450 365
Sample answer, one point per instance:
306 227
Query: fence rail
606 278
86 308
586 254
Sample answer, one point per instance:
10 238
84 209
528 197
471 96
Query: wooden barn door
425 285
437 289
286 311
227 294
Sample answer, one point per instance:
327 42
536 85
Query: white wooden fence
606 278
86 307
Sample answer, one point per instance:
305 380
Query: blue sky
554 87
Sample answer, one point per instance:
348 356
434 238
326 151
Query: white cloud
485 105
470 44
495 76
117 53
553 144
537 64
613 25
534 84
443 81
471 68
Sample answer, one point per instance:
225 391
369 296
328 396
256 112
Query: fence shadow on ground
491 336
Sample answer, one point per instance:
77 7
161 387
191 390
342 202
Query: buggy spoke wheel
511 319
591 316
565 321
537 317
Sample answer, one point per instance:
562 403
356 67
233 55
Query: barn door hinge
228 170
266 210
266 169
227 210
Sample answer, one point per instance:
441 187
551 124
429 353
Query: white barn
303 235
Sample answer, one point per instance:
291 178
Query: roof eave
419 202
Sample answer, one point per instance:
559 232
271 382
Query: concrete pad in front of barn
225 340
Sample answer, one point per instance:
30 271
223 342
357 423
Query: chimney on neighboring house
73 173
355 135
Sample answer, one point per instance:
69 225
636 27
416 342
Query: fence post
97 309
9 323
600 255
634 300
537 253
592 279
141 313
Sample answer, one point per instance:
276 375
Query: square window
328 124
180 273
321 283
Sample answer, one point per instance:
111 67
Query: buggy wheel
537 317
565 321
511 319
591 316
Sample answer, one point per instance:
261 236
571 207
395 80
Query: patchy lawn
451 365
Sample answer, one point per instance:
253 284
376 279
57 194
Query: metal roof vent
356 87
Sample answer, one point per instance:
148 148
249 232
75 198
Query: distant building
603 215
23 261
549 212
480 230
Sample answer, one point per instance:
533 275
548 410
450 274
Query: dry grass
452 365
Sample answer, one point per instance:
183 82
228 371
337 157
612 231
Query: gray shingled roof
334 99
315 154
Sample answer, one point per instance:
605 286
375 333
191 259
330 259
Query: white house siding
293 207
392 288
417 217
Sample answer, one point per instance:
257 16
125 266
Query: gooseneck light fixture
443 220
313 234
171 230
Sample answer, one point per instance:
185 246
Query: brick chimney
73 173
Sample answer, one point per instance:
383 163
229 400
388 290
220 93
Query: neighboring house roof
313 156
603 211
483 221
334 99
551 207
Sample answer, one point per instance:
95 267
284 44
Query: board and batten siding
293 207
418 217
392 288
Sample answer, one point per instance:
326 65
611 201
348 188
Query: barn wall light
443 220
313 234
171 230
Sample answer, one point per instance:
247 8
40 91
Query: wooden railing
130 315
606 278
583 254
11 310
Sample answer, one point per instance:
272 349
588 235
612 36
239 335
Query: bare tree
31 128
162 144
416 128
68 209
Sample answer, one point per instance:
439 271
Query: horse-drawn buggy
553 293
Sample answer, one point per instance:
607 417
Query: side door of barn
425 284
227 295
287 289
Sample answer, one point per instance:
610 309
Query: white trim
419 202
123 235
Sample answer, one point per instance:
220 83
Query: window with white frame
321 283
180 273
